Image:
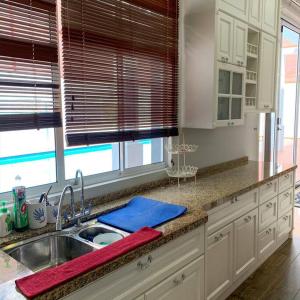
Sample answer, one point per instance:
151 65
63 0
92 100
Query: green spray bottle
20 206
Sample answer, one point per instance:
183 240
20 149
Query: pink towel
43 281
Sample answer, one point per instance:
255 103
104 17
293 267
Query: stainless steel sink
55 248
49 251
93 230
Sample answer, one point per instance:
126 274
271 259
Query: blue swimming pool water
51 154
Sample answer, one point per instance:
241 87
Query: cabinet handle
248 219
226 59
287 175
221 236
285 218
287 194
242 63
269 231
269 205
217 238
177 281
232 123
233 201
143 266
269 184
266 106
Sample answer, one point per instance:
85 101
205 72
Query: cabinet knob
287 194
269 205
269 184
143 266
287 175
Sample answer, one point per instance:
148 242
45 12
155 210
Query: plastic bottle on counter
5 220
20 206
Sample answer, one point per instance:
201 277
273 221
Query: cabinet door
240 43
219 262
267 72
184 284
255 13
267 214
270 16
236 8
267 242
245 245
225 38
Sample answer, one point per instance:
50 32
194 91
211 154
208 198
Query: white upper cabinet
267 72
231 40
240 43
255 13
270 16
225 38
235 8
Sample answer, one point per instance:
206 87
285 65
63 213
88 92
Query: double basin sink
55 248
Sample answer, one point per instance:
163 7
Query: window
28 153
143 152
132 97
91 160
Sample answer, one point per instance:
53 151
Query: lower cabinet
184 284
284 226
219 262
245 245
267 242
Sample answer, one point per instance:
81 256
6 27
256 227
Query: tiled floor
279 277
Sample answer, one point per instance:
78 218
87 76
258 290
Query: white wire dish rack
182 171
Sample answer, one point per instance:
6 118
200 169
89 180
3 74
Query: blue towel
140 212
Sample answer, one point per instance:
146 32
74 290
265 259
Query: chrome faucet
60 205
79 174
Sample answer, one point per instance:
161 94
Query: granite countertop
214 187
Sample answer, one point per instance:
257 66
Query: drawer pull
269 184
285 218
177 281
287 176
143 266
248 219
269 231
269 205
287 194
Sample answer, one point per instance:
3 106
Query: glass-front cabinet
231 94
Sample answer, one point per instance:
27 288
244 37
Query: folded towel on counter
141 212
43 281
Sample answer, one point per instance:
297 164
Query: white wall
223 144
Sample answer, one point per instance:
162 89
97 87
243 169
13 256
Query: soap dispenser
5 220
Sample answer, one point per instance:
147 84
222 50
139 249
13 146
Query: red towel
38 283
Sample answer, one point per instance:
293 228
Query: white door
270 16
218 263
245 245
267 75
225 38
240 43
255 13
236 8
188 283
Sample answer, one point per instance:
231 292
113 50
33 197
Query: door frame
290 26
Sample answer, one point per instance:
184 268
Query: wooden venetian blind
29 75
120 65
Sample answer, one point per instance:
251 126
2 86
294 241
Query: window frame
91 180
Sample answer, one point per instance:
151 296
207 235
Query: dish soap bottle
5 220
20 206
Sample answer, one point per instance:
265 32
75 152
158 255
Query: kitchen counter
214 187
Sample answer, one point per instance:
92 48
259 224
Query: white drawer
285 202
267 214
230 211
146 271
286 181
267 242
284 226
268 191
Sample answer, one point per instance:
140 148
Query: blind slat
120 69
29 73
